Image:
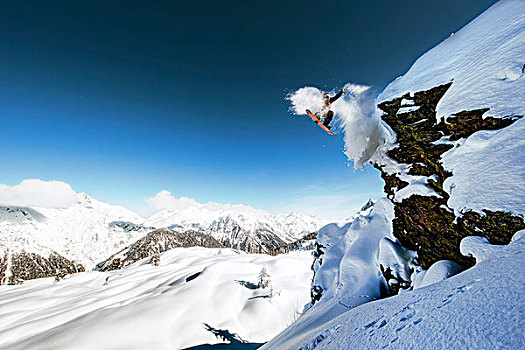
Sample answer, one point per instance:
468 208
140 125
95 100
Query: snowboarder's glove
343 91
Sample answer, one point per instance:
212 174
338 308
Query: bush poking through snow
155 260
264 278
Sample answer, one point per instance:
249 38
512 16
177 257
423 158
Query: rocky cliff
154 243
28 266
161 240
427 224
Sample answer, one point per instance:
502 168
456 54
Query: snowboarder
324 116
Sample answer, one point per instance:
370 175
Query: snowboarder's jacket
335 98
325 114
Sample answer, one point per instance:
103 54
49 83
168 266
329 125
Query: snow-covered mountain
66 240
445 245
222 223
240 227
86 233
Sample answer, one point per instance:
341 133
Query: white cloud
165 200
38 193
336 206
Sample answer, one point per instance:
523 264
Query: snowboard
318 122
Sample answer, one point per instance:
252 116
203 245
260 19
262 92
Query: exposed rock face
260 241
27 266
3 268
129 226
154 243
425 223
161 240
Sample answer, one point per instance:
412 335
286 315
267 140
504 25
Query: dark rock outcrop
27 266
425 223
259 242
154 243
3 268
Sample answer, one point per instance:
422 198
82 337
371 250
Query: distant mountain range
42 242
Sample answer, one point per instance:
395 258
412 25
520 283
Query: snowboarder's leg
319 117
328 118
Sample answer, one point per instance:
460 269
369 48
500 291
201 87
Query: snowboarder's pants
328 118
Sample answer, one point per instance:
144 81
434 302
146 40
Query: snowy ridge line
483 62
89 232
481 78
289 227
86 232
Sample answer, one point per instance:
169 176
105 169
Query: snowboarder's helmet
326 96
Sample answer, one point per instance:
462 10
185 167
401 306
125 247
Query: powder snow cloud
38 193
354 113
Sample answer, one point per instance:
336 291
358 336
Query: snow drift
480 308
347 267
158 307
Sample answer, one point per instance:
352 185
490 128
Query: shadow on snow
236 343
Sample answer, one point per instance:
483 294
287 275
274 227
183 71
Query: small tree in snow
155 260
264 278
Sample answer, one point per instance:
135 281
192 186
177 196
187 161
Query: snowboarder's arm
333 99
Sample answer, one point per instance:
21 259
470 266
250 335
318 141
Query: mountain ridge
90 232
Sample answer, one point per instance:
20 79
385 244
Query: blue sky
125 99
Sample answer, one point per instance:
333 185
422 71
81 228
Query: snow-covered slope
484 60
347 271
485 63
86 232
348 264
220 223
481 308
192 294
